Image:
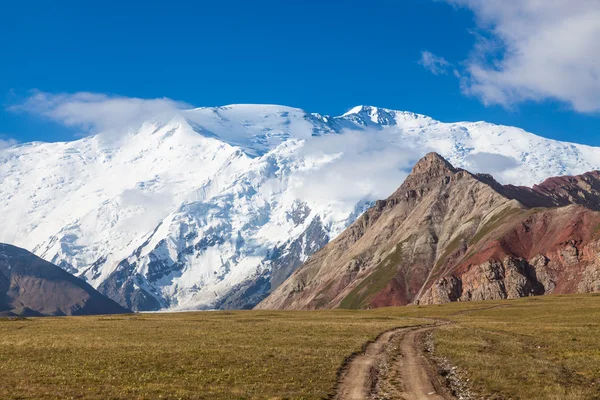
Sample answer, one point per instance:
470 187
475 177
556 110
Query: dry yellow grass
535 348
209 355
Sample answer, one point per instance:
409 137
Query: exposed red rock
449 235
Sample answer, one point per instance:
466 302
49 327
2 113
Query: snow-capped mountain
216 206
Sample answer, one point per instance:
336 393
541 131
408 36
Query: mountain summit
447 235
430 167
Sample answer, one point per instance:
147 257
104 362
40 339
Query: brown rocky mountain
30 286
447 235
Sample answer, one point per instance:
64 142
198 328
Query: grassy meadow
534 348
203 355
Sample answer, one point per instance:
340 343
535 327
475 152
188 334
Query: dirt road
359 377
415 370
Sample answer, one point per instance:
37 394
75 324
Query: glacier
216 206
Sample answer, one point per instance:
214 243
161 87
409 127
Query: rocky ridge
449 235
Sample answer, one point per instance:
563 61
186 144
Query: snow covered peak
369 116
256 129
214 206
355 110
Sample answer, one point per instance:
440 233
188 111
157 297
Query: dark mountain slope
30 286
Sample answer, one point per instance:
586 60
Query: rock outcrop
449 235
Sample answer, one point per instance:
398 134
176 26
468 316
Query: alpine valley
216 207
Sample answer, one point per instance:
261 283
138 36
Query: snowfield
212 208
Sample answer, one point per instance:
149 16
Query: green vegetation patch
596 231
382 274
495 222
451 248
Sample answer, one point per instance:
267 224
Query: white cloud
94 112
146 209
535 50
6 142
360 165
490 163
434 64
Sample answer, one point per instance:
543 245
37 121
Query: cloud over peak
6 142
95 112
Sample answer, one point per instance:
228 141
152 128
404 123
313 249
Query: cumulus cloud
94 112
434 64
355 166
535 50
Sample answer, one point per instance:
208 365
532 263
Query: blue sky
322 56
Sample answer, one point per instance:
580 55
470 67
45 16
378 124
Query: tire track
359 376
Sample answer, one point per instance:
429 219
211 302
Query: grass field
209 355
535 348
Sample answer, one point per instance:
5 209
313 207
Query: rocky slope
215 207
448 235
30 286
